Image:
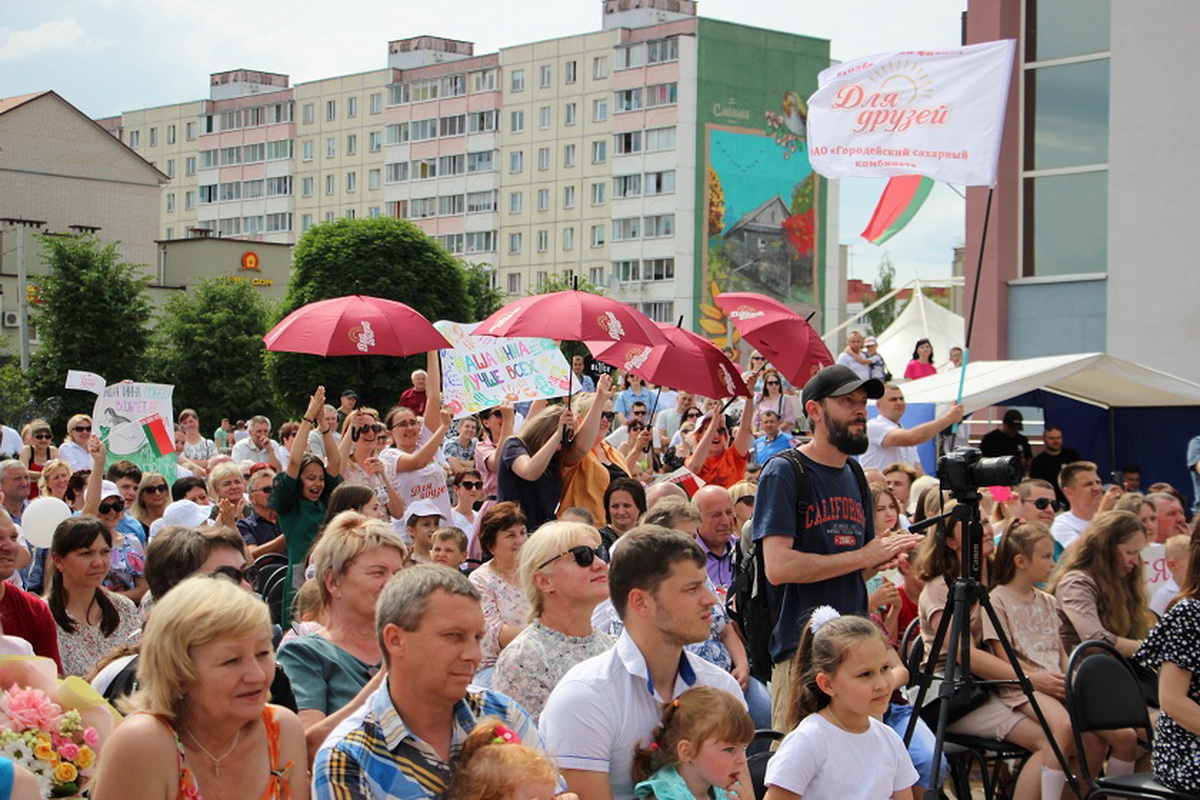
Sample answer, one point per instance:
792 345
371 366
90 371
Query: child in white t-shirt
1176 556
839 750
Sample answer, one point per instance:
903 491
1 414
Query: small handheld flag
157 435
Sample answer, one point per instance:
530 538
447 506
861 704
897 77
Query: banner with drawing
479 372
118 415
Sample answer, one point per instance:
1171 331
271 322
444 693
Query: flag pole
962 372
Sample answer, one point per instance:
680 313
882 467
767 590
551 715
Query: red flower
801 230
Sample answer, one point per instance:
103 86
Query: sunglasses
608 416
758 358
155 489
693 416
774 383
471 484
265 489
43 436
1042 503
249 574
83 429
747 499
641 413
110 507
635 427
376 428
584 556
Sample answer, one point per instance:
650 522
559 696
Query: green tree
208 344
485 298
92 315
559 282
385 257
883 315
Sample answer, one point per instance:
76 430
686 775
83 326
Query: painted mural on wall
761 214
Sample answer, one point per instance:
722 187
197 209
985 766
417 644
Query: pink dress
918 369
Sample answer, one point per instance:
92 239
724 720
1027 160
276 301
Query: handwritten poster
479 372
118 415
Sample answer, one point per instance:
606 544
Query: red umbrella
355 325
689 363
573 315
780 334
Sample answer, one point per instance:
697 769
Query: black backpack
749 601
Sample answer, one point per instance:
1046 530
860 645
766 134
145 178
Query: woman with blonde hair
353 559
54 479
590 463
362 439
74 449
742 494
564 577
1099 584
201 717
153 497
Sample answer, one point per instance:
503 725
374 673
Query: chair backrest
1103 692
916 655
912 632
756 765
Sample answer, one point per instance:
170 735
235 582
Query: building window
481 121
330 110
481 202
330 184
279 222
627 100
596 276
516 202
154 137
396 172
135 139
170 202
662 94
351 213
627 271
568 239
543 241
375 102
628 56
279 150
568 197
514 283
627 186
662 50
453 85
570 113
599 67
330 147
543 156
189 166
514 243
546 76
376 141
543 200
516 162
483 161
570 71
254 153
351 107
659 226
452 126
597 236
450 205
306 222
517 80
600 110
252 190
660 182
599 152
329 216
422 129
209 159
569 155
543 278
480 242
662 311
189 201
626 143
306 187
397 133
352 144
483 80
544 117
308 113
170 134
658 269
190 131
423 169
279 187
626 229
373 179
231 156
660 139
306 148
170 168
516 122
598 194
452 165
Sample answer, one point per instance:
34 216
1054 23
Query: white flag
86 381
924 112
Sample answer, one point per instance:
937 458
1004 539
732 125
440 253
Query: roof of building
9 103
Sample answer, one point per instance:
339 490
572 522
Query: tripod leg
1027 688
925 677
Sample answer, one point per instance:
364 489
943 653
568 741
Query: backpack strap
864 490
803 485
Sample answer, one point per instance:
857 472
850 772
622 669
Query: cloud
52 37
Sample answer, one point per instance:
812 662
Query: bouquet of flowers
53 728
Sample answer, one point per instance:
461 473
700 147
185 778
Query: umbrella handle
962 379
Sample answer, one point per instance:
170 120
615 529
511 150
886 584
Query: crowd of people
527 601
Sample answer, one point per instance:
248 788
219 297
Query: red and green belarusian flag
899 203
160 439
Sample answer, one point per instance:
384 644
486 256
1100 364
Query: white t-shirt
861 370
75 455
820 761
10 441
605 706
1163 596
878 455
1067 527
427 483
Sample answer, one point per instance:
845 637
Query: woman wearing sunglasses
564 575
468 491
153 497
74 450
772 398
38 452
126 573
362 439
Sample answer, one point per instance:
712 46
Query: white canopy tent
1094 378
921 318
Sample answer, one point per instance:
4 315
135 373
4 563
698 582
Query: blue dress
667 784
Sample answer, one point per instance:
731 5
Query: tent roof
921 318
1095 378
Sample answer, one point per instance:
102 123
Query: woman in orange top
717 459
585 479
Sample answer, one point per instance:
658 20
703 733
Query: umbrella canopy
575 316
355 325
688 363
780 334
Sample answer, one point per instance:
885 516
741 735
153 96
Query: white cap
182 512
424 508
109 489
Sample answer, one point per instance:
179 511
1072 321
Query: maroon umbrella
688 363
355 325
575 316
786 339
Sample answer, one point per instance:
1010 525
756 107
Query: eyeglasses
584 556
43 436
82 429
608 416
1042 503
634 427
379 428
249 574
746 499
695 415
159 488
110 507
471 484
774 383
407 423
758 358
264 489
641 413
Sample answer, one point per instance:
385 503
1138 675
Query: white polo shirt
1067 527
879 456
605 706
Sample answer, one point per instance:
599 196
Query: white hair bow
820 616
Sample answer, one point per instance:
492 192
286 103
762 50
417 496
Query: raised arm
91 497
433 389
745 432
315 410
531 467
704 442
425 453
585 436
919 434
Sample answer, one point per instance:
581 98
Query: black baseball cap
350 393
1014 419
836 381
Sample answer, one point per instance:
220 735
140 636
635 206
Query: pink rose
69 751
30 708
91 738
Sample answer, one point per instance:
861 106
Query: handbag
966 698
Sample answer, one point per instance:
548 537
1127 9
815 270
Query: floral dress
1176 756
503 604
83 648
127 565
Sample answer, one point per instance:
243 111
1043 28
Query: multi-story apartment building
660 157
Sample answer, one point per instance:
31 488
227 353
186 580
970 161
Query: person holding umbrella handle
720 457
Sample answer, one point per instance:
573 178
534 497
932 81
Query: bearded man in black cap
823 558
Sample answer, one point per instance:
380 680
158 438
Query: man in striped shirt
404 739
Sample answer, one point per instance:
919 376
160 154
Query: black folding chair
1103 694
759 752
273 595
268 566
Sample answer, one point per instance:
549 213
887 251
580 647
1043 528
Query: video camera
965 470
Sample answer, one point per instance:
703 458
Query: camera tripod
964 593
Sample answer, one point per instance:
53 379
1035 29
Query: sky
109 56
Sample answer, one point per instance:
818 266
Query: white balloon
40 519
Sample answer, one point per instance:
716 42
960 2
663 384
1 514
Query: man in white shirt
888 443
1080 482
854 358
259 447
10 442
605 706
668 420
316 442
